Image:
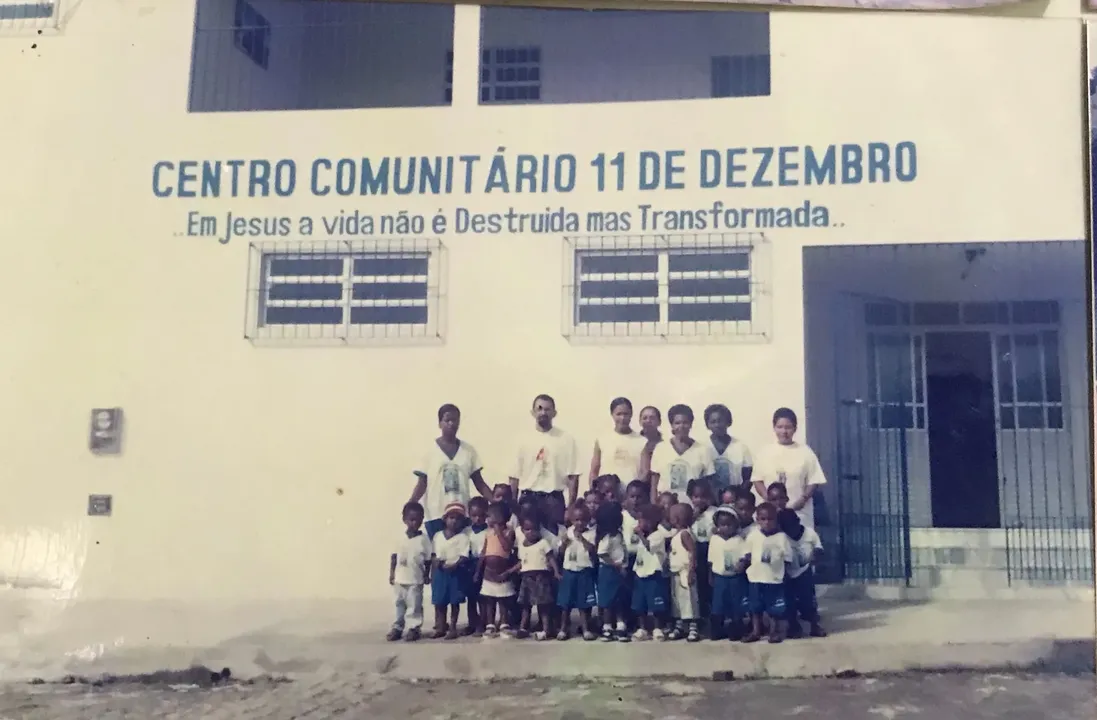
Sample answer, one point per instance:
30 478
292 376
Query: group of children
680 569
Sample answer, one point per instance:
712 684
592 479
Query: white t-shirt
628 532
658 541
802 552
612 548
675 471
745 531
577 557
412 557
768 555
546 534
647 563
724 555
535 557
477 538
679 556
797 467
545 461
730 463
448 480
621 455
704 525
450 550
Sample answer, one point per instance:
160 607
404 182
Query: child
447 586
538 568
555 513
744 509
768 550
578 585
728 496
730 590
612 570
593 500
807 548
700 494
503 493
477 532
684 569
667 500
649 601
777 495
408 571
496 569
610 487
637 496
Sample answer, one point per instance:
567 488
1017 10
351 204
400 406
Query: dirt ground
940 697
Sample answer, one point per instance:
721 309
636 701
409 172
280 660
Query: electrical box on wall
105 435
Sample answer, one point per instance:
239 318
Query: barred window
24 16
388 291
681 286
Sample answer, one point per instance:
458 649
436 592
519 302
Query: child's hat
454 507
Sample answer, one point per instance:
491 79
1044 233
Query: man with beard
548 459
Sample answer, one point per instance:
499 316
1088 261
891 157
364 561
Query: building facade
277 235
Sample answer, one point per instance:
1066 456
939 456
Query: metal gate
875 411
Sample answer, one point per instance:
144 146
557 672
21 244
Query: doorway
963 438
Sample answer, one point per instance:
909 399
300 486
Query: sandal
394 635
675 633
562 635
607 634
491 631
588 636
623 636
412 635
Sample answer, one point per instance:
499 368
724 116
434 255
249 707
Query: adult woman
680 459
734 463
618 452
650 420
793 464
447 471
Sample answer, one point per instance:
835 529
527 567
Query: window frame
345 332
246 36
756 274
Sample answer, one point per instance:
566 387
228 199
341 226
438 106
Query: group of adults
548 460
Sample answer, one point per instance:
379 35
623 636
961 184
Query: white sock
621 625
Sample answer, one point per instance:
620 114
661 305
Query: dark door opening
963 441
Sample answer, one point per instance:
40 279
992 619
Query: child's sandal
412 635
607 634
562 635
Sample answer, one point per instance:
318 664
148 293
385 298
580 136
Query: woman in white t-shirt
680 459
734 463
650 420
447 472
618 452
793 464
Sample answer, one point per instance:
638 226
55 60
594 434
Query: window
1030 392
345 293
509 75
895 383
22 15
1024 312
666 289
251 33
740 76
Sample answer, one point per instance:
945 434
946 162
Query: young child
477 530
744 509
684 569
667 500
768 550
497 567
610 487
537 558
503 493
807 549
555 514
593 500
578 586
408 571
637 496
612 570
777 495
649 601
448 579
730 590
728 496
700 495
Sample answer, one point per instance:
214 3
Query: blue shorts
433 527
578 589
649 595
611 587
800 597
768 598
447 587
730 595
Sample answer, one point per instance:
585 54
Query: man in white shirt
548 459
448 471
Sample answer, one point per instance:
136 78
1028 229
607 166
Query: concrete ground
941 696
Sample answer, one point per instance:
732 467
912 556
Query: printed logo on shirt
451 479
729 563
723 471
679 476
782 477
767 557
542 460
573 555
702 533
621 455
402 560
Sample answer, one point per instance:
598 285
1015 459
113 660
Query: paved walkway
320 639
972 697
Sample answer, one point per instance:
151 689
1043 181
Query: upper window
541 55
655 287
20 15
345 293
251 33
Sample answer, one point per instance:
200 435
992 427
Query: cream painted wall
227 488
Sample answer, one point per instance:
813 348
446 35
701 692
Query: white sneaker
540 635
641 634
658 634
